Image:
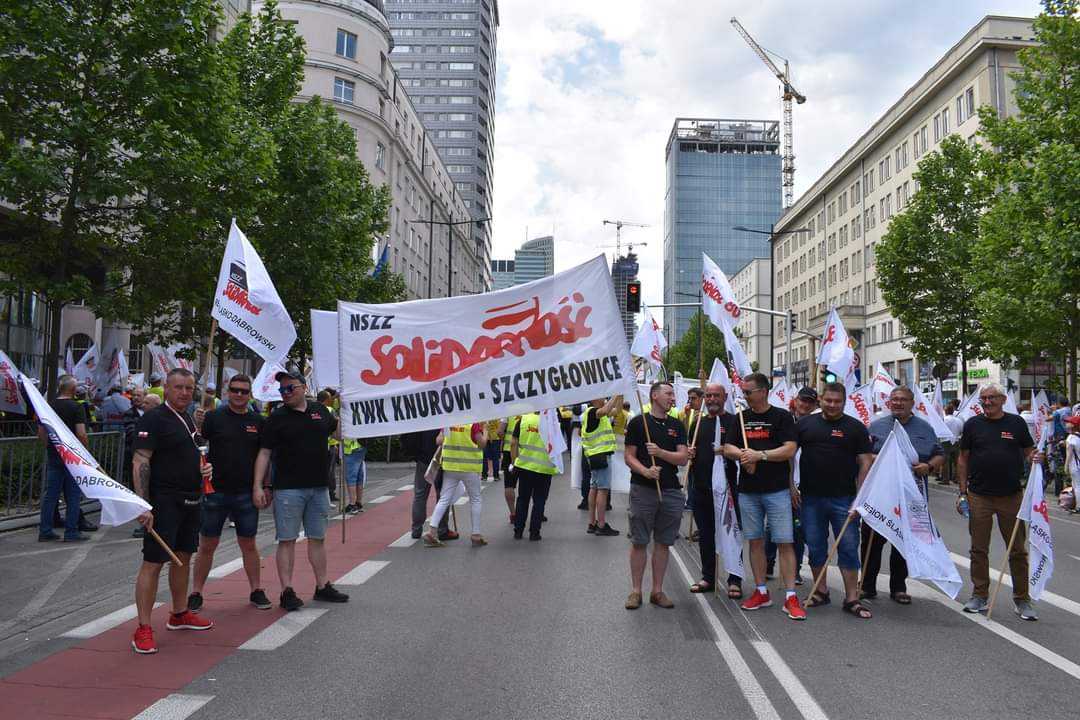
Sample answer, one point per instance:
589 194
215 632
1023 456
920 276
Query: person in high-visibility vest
534 467
326 398
506 429
355 474
462 459
492 450
598 445
689 416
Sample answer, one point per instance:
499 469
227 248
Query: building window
346 44
937 128
922 140
960 110
969 99
344 90
945 121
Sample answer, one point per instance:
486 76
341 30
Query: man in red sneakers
168 473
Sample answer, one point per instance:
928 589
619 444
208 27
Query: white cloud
588 92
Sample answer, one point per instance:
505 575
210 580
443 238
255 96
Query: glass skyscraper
721 174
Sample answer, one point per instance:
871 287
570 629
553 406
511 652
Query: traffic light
827 376
791 320
633 296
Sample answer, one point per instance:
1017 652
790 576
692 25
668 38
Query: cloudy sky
588 91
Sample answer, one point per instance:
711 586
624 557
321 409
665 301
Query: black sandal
734 592
701 586
857 609
818 599
901 597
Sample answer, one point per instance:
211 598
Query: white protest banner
859 402
780 395
551 434
246 304
265 387
86 369
160 362
925 409
718 375
1033 511
10 398
179 362
728 535
576 471
719 304
649 343
883 385
1040 408
891 503
118 504
426 364
138 380
1011 404
324 348
837 354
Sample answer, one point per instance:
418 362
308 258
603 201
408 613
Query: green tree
1027 267
925 260
683 356
93 96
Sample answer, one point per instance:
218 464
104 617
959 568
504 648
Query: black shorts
509 478
176 519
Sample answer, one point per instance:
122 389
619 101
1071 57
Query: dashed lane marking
284 630
174 707
406 540
108 622
362 572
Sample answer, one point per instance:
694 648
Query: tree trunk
963 376
220 363
52 349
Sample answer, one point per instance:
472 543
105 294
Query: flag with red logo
970 407
1033 511
10 398
264 387
118 504
780 395
424 364
1040 408
837 353
860 404
246 304
551 434
86 369
891 503
728 536
649 343
112 366
720 306
925 409
883 386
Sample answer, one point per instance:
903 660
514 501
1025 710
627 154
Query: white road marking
108 622
1056 517
382 499
804 701
55 581
62 547
1048 597
406 540
362 572
744 676
227 568
403 488
283 630
174 707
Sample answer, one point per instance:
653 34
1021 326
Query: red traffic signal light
633 296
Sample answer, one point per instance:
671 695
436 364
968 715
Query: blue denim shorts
817 514
355 472
293 506
601 478
756 508
217 507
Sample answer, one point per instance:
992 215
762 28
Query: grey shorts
651 517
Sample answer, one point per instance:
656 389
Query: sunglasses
287 389
240 391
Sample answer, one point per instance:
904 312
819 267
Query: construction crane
619 224
629 247
788 93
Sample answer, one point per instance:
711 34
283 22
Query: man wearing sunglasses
294 439
232 432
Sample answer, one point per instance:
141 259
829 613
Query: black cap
807 393
290 375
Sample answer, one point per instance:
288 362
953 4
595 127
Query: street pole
430 243
789 326
450 260
700 340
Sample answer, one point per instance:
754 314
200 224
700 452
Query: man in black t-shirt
58 479
762 439
294 439
168 472
655 448
834 459
232 432
993 448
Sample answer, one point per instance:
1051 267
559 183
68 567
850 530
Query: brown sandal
857 609
701 586
818 599
734 592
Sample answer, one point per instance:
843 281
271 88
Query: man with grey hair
57 477
993 449
931 459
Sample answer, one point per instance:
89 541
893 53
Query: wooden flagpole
828 559
1001 576
209 351
648 437
153 533
866 557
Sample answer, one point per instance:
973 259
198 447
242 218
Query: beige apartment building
752 286
825 258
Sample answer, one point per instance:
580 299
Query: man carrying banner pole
703 453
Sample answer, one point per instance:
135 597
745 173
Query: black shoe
591 530
87 526
518 534
416 534
351 509
194 602
139 532
289 601
49 537
543 518
258 599
584 505
607 508
606 531
534 536
77 538
328 593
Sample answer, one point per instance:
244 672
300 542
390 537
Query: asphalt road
522 629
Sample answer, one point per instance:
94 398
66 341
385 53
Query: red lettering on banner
832 334
1041 509
709 288
10 388
860 407
240 296
448 356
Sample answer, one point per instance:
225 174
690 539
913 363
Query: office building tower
623 271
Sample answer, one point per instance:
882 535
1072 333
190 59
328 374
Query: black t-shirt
174 464
668 434
298 440
996 458
71 413
764 431
234 443
702 465
828 466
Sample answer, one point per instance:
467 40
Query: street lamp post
450 249
700 337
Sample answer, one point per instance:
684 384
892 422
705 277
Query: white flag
138 380
729 540
720 306
265 386
939 402
1010 403
160 363
970 407
551 434
883 386
780 395
892 505
925 409
1033 511
649 343
1040 408
118 504
719 375
859 403
836 353
69 362
246 304
176 360
10 398
86 369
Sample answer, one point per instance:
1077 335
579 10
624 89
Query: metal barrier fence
22 468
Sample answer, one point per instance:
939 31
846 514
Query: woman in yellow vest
598 445
462 460
534 470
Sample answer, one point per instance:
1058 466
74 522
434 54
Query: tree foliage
683 356
1027 261
925 259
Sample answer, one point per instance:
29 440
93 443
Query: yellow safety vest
460 453
619 423
351 445
599 441
672 412
565 413
532 450
331 442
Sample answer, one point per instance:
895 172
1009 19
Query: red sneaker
757 601
188 620
794 608
143 642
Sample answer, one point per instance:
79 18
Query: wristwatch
764 456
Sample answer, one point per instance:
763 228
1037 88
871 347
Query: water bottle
963 508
